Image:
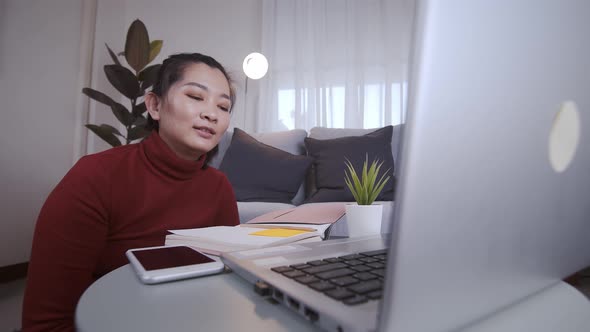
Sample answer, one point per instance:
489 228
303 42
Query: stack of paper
308 222
219 239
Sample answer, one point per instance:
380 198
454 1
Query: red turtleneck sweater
123 198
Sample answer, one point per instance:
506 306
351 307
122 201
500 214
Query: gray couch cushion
329 133
260 172
217 157
289 140
329 156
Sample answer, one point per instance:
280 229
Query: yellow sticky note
278 232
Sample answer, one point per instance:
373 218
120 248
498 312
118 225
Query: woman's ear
152 103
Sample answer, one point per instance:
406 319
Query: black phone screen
163 258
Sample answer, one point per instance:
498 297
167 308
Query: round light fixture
255 65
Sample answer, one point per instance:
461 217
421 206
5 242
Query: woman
128 197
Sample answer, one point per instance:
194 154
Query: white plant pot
363 220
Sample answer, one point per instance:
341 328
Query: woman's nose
208 114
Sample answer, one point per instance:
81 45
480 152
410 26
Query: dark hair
171 72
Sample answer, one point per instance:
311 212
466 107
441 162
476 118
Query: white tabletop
120 302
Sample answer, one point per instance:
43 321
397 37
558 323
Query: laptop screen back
493 202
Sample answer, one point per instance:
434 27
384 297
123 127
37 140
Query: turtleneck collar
159 155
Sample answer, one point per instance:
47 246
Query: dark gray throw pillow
328 165
260 172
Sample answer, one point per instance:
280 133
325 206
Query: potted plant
139 52
364 217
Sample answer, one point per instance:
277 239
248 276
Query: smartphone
167 263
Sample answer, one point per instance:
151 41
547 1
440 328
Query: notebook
492 203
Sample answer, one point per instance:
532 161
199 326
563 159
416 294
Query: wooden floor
11 300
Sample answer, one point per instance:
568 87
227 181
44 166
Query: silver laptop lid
486 215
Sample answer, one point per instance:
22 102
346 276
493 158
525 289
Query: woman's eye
195 97
223 108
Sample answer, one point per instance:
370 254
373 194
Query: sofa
302 163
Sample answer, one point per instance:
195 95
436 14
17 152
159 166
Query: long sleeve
123 198
69 235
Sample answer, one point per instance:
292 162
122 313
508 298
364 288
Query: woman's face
194 114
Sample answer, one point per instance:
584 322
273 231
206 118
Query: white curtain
333 63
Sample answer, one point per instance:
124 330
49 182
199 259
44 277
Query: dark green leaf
122 114
113 129
137 132
98 96
113 56
123 80
149 76
155 47
106 132
139 109
140 121
137 46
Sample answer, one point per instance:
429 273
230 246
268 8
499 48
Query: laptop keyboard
351 279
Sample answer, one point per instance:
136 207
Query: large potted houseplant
131 83
364 217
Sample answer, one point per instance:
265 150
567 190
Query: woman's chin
200 149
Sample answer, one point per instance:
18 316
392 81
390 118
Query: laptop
492 203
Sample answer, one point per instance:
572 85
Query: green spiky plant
138 53
365 188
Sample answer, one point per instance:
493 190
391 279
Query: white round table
120 302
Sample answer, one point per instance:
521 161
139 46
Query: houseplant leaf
137 46
355 187
122 114
107 133
139 109
379 187
366 188
350 186
148 76
373 173
140 121
98 96
364 184
138 53
137 132
112 54
155 47
123 80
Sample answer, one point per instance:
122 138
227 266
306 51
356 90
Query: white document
228 234
217 239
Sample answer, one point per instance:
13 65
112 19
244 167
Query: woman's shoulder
105 161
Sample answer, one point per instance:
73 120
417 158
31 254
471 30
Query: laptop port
262 288
278 295
294 304
311 314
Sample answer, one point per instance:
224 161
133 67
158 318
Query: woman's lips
204 132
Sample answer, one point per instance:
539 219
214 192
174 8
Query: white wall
227 30
39 62
42 61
